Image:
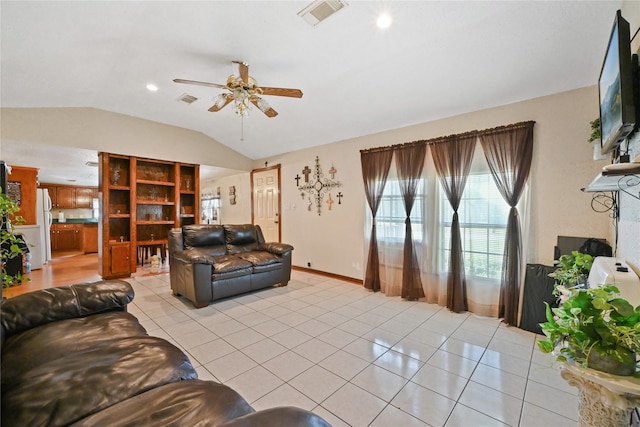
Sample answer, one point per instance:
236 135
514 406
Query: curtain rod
448 138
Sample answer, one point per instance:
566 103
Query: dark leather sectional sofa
209 262
74 356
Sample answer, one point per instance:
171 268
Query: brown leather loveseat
74 356
208 262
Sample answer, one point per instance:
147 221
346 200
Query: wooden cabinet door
52 195
89 238
66 197
53 238
84 197
120 259
67 239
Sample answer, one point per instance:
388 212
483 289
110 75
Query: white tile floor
358 358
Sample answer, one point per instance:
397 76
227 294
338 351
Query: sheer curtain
391 228
509 153
452 158
414 220
375 169
409 163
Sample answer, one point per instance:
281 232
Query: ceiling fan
244 90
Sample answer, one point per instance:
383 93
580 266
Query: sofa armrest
194 256
66 302
276 248
277 417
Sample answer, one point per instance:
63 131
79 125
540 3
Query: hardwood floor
67 268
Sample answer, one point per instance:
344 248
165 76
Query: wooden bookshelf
141 200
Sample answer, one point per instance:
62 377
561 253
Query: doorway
265 201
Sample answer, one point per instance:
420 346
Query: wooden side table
604 400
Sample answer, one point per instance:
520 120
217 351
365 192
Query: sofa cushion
277 417
64 302
241 238
186 403
64 390
228 263
26 350
260 258
203 235
267 267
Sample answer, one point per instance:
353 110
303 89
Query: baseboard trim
326 274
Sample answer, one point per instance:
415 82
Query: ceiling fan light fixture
263 105
220 100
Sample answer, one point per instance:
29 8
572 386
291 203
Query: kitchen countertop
77 221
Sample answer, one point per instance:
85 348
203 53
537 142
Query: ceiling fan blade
193 82
243 70
279 91
220 104
263 106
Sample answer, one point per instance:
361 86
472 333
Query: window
483 217
391 214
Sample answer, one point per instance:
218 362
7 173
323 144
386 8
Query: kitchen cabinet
70 197
89 238
73 237
65 237
65 197
84 197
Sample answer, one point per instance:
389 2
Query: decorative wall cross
306 171
340 195
318 186
297 178
329 201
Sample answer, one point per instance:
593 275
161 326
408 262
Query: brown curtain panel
509 153
409 163
452 159
375 170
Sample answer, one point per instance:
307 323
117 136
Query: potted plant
594 328
572 269
595 130
10 243
595 140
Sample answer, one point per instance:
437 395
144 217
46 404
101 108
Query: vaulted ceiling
437 59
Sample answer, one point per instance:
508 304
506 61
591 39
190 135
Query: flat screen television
615 85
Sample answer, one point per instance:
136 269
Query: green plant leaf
623 307
545 346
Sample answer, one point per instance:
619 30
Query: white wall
562 165
240 213
629 226
100 130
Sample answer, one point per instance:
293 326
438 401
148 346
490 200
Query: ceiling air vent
320 10
189 99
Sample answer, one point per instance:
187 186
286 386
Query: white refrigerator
44 218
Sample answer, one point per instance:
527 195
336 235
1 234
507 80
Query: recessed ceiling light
152 87
384 21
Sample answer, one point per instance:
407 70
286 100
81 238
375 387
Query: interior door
265 192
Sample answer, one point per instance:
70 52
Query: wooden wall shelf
141 200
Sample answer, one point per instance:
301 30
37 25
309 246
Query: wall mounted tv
617 109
